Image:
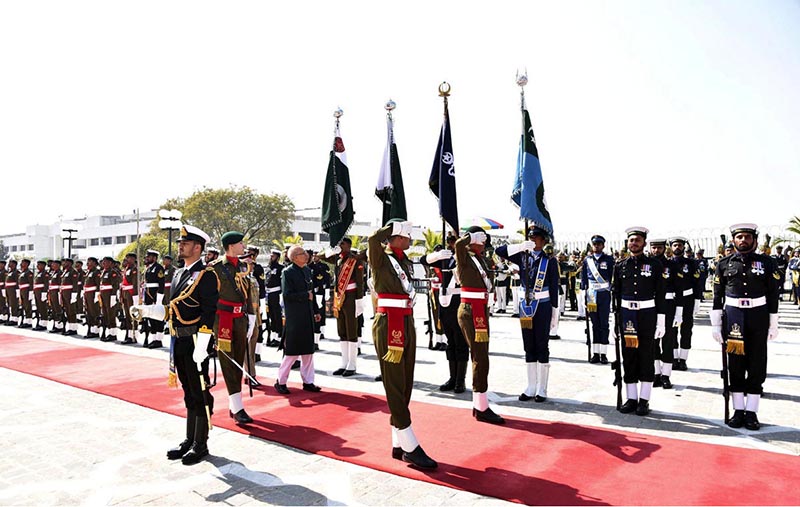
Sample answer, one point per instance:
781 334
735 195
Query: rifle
617 364
587 331
726 394
429 322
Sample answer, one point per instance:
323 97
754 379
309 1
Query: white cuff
773 320
159 298
716 317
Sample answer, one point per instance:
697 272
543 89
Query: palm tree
358 242
287 240
792 232
431 239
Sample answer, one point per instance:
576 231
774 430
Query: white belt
669 295
66 287
453 292
542 294
270 290
55 287
126 287
688 292
38 286
24 285
473 295
638 305
436 286
167 285
11 284
90 288
600 286
746 302
395 303
106 287
351 286
151 285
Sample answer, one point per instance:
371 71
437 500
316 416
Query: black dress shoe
195 454
55 330
296 365
525 397
665 382
397 453
180 451
348 373
379 378
595 359
316 349
487 416
643 408
241 417
628 407
657 381
312 388
539 399
419 459
128 341
555 337
40 328
92 335
253 382
603 359
321 336
448 386
737 421
340 371
71 332
155 344
24 326
581 318
282 389
459 388
751 421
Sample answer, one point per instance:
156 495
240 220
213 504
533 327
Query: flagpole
389 106
444 92
522 80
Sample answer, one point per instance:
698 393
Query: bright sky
670 115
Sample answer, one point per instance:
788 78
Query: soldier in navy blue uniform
673 303
702 270
322 282
596 272
538 307
638 292
687 283
191 310
153 295
273 289
745 315
457 350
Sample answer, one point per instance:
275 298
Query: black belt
182 332
236 310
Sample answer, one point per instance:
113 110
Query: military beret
192 233
131 254
43 263
744 227
658 242
598 239
451 237
57 261
2 261
66 259
637 231
92 259
346 240
108 258
231 238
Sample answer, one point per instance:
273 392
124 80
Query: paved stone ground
65 446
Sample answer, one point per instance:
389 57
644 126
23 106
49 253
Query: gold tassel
172 381
591 307
526 322
735 347
631 341
224 345
481 336
393 355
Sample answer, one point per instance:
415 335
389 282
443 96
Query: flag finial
390 105
338 113
522 79
444 89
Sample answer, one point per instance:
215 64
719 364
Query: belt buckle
237 309
634 305
745 302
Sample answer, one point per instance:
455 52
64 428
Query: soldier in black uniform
673 315
745 315
638 292
169 273
781 262
25 294
54 298
702 270
192 310
91 297
153 295
79 288
212 254
273 289
322 281
688 276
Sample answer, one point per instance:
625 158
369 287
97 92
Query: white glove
477 238
772 333
359 306
661 327
155 312
201 348
136 300
678 320
441 255
333 251
73 298
251 325
554 320
159 298
528 246
696 308
401 228
113 300
525 246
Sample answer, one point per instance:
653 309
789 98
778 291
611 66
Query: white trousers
306 368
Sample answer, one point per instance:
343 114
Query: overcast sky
671 115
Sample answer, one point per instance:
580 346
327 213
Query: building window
324 236
30 248
120 239
106 240
22 248
94 241
131 238
307 236
14 248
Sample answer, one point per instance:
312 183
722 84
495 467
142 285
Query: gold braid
187 294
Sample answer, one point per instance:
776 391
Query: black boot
419 459
461 373
751 421
628 407
657 382
665 382
603 359
595 359
451 382
183 447
737 421
643 408
199 449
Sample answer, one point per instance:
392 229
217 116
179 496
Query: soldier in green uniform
12 279
473 315
40 283
25 294
109 285
349 273
236 318
79 310
129 296
91 284
3 302
69 295
394 335
54 297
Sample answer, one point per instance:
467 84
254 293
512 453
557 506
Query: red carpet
527 461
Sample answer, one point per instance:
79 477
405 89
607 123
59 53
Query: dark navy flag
442 181
528 193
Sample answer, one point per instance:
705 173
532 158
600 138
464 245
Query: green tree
148 242
791 233
431 239
262 218
359 242
3 250
287 241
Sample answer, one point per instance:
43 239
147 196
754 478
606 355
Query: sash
226 312
591 292
345 274
486 281
446 294
630 329
395 324
734 325
479 320
407 287
528 305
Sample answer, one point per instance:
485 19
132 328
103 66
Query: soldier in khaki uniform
3 303
40 283
25 293
54 297
109 285
231 327
394 334
69 296
12 280
129 296
473 315
79 310
349 289
91 286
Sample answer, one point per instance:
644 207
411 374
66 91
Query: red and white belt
127 288
106 288
24 285
152 285
11 284
471 293
55 287
90 288
38 286
66 287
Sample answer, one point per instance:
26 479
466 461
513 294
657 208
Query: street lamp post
70 239
170 221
